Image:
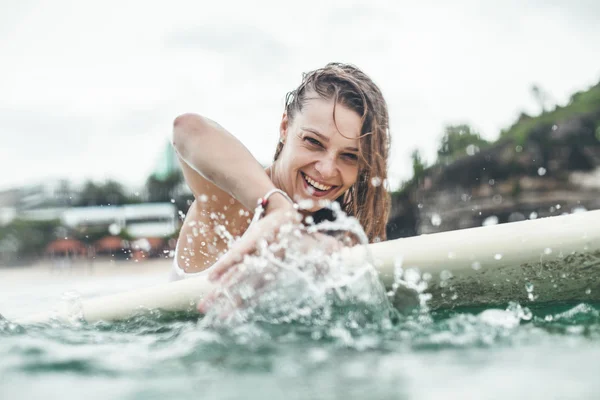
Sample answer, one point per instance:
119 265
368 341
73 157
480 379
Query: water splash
8 328
491 220
302 279
73 307
436 219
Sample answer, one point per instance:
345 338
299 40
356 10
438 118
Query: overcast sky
89 89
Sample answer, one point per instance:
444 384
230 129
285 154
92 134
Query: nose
326 167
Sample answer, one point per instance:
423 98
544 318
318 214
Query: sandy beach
42 286
101 267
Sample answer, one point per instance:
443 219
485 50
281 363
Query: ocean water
308 329
442 354
351 349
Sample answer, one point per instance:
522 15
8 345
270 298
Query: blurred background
495 110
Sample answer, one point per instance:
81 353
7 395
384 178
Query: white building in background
150 219
41 214
38 202
139 220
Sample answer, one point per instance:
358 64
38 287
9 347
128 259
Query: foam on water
300 279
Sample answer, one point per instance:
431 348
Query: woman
333 145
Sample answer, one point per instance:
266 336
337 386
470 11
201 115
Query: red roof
66 245
110 243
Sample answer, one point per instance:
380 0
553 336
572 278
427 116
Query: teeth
316 184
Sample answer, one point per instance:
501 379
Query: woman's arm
223 160
218 167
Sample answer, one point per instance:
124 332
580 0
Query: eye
350 156
313 141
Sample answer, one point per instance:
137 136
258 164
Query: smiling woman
333 147
342 118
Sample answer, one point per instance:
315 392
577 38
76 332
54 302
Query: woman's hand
224 271
240 285
278 214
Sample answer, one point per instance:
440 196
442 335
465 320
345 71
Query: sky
89 90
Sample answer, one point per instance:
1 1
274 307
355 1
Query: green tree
163 190
90 195
113 193
459 140
64 194
27 239
543 98
108 193
418 165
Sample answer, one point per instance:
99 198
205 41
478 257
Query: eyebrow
325 138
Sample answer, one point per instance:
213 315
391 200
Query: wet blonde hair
368 199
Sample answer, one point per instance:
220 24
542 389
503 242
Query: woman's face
320 157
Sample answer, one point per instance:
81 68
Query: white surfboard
546 260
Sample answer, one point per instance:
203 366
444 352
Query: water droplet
412 275
548 318
203 198
497 199
554 127
376 181
492 182
309 220
445 275
588 291
419 205
533 215
498 256
547 250
529 287
398 270
173 201
436 219
454 296
541 171
476 265
306 204
519 149
491 220
558 206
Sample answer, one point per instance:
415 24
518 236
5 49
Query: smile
319 188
